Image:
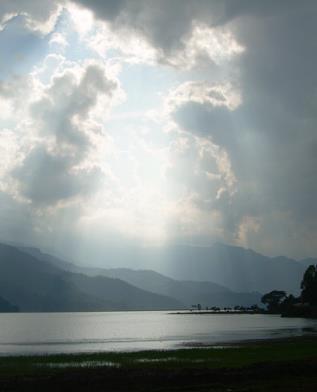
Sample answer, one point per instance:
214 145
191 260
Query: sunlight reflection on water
37 333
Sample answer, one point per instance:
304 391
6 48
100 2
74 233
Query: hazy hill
239 269
187 292
37 285
234 267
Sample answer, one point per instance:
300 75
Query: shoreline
213 312
244 343
284 364
185 345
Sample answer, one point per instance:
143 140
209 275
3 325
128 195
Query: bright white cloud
215 95
216 45
61 132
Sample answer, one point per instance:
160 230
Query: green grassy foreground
286 365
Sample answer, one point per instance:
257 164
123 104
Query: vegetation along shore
280 365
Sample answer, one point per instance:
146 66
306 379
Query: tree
255 308
273 300
309 286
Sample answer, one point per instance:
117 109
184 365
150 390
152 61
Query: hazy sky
154 122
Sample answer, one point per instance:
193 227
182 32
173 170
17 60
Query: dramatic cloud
60 151
47 178
157 120
178 33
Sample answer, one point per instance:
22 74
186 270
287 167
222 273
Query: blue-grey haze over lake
47 333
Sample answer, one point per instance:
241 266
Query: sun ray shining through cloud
159 123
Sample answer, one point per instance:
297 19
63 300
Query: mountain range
35 285
186 292
221 275
237 268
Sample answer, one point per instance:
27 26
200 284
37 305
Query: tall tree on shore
309 286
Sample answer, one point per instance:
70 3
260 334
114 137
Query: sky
158 122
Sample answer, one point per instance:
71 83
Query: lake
38 333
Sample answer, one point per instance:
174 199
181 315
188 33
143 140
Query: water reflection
128 331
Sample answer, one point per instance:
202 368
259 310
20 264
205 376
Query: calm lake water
25 333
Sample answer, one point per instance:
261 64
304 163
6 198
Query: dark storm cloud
279 85
163 23
105 9
166 23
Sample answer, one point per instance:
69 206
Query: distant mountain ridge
220 275
239 269
186 292
233 267
35 285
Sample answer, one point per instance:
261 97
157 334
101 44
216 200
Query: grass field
285 365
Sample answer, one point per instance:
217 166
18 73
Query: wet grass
274 364
214 357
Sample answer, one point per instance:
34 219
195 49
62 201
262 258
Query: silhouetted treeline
277 301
